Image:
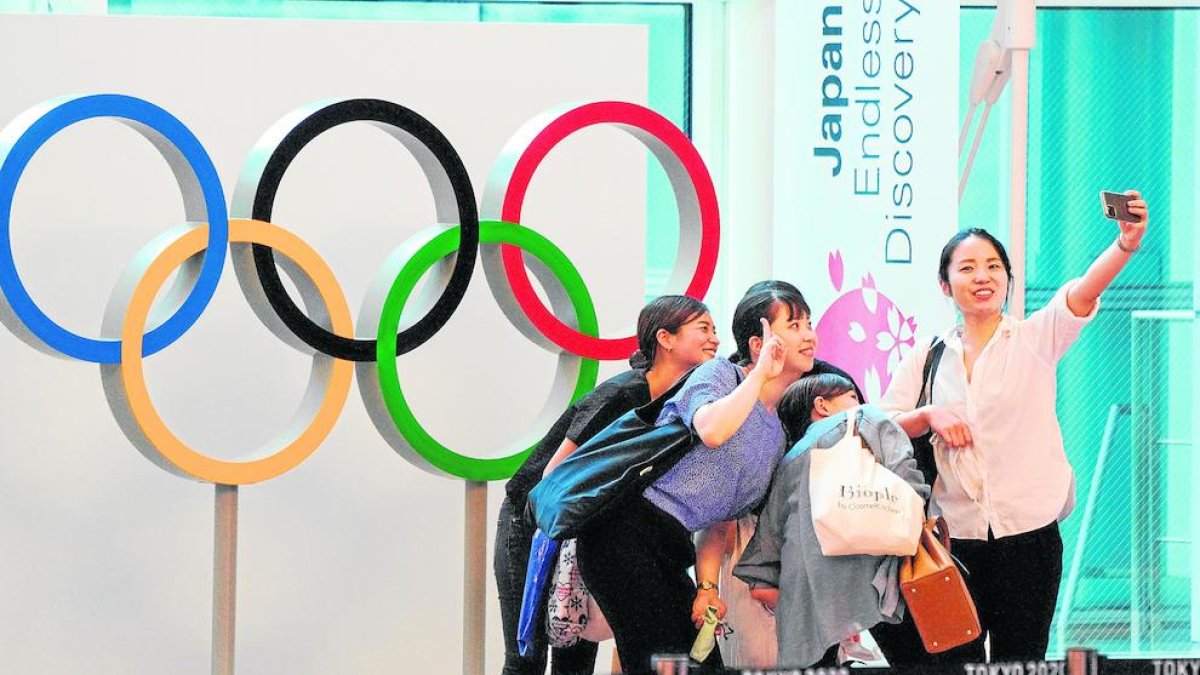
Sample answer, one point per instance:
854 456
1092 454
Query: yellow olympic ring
329 380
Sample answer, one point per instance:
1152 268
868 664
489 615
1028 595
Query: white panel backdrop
866 110
351 563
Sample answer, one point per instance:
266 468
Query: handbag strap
938 525
929 374
852 421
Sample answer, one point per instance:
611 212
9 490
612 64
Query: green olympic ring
555 266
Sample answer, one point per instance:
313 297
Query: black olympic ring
454 200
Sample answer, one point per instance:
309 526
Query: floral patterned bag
571 613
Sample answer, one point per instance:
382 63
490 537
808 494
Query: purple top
710 485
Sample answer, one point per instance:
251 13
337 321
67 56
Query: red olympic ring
699 216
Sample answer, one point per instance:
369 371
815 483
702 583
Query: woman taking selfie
1003 479
675 333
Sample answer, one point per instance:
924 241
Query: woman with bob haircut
675 334
824 602
1003 478
635 562
814 398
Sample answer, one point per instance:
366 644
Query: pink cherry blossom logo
864 332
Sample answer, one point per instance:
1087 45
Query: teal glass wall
1113 105
668 26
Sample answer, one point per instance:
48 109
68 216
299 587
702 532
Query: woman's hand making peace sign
772 355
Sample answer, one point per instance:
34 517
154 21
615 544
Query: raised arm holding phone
1003 478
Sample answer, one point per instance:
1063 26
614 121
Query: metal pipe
1085 527
474 578
1017 178
224 578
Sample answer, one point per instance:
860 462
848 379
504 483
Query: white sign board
352 562
865 172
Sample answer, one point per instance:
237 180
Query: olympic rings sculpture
324 329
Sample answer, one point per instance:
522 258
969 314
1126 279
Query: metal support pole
474 578
1148 467
1067 606
224 578
1019 83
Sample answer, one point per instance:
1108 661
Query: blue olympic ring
198 181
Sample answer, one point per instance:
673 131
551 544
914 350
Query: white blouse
1016 477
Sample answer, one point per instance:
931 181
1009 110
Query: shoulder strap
852 421
930 372
649 412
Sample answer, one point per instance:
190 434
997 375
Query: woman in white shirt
1003 479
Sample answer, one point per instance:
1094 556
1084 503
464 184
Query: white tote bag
858 505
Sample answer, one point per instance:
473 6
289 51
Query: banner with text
865 171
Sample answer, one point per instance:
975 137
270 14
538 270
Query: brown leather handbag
935 592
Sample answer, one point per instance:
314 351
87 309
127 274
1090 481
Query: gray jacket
824 599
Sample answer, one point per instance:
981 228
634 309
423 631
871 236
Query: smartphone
1116 206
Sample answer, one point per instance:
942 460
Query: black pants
635 564
1014 583
513 538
